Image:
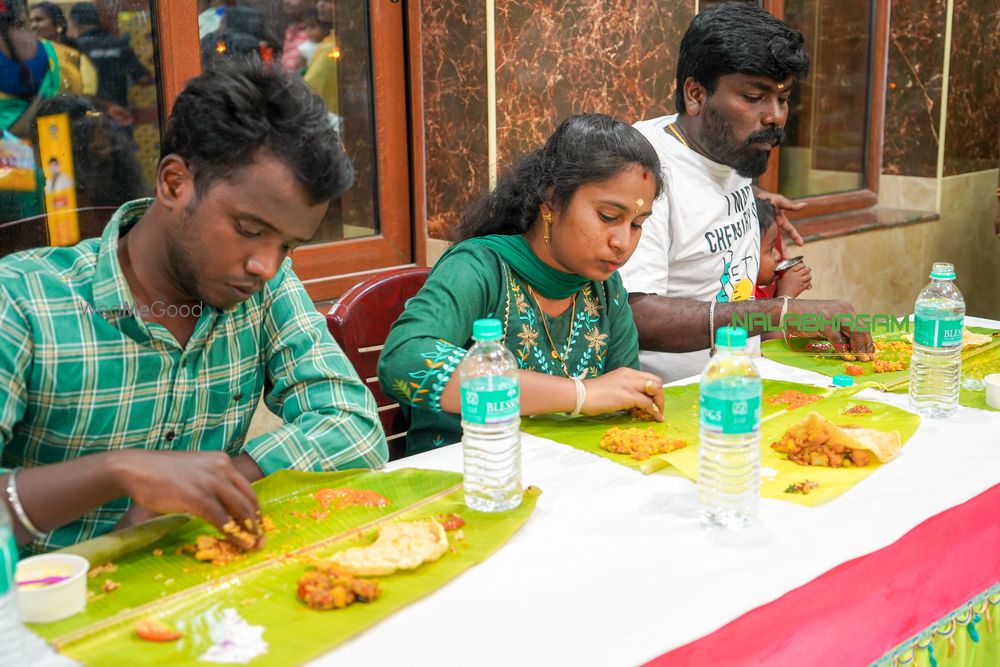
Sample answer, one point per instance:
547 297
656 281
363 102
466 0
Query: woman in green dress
540 253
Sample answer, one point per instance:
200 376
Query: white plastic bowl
52 602
992 383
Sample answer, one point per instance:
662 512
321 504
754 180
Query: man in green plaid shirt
131 365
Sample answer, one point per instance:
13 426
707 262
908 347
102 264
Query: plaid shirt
81 373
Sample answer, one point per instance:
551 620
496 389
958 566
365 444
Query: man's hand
205 484
782 204
134 516
852 345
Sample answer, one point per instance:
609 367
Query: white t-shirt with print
702 241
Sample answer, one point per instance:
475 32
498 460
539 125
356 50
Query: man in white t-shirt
698 257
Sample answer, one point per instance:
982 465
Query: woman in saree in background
540 253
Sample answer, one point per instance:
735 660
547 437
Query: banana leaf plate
253 599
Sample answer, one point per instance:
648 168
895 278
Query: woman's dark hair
738 37
240 106
765 215
585 148
55 14
107 171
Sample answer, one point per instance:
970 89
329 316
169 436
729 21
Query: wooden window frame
848 204
328 269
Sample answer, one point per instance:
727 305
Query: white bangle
15 502
581 396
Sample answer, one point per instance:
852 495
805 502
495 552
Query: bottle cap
843 381
487 329
731 337
943 271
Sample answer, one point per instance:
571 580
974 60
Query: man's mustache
771 135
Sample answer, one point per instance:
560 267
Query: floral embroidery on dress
425 386
533 354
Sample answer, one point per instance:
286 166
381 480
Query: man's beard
723 146
180 258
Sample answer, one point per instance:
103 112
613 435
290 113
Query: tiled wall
553 58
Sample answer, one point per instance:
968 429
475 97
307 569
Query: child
792 282
317 31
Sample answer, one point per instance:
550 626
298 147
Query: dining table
614 566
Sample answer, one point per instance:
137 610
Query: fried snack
153 630
400 546
855 370
328 587
219 552
881 366
793 399
816 441
639 443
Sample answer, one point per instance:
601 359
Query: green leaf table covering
681 412
261 586
977 363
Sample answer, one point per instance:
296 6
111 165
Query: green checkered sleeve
331 420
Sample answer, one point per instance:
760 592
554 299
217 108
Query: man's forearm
54 495
671 324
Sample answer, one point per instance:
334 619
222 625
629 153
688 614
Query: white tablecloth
613 568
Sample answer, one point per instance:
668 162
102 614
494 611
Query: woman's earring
547 227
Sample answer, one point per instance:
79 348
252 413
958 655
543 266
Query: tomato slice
153 630
451 521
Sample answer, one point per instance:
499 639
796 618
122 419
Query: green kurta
430 338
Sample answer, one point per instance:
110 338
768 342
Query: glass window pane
826 143
327 44
79 111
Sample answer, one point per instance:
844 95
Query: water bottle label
933 332
8 562
729 415
490 400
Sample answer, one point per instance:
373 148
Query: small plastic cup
992 383
52 602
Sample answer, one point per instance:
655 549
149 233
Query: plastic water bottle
729 448
491 421
936 364
11 632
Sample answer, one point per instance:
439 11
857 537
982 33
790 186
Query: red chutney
451 521
344 497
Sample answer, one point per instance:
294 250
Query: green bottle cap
843 381
731 337
943 271
487 329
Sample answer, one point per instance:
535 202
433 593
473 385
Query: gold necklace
555 355
677 134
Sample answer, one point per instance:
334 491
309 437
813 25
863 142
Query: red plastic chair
360 323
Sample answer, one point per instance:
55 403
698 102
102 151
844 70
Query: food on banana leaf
854 369
451 521
399 546
859 409
639 443
327 587
816 441
803 487
344 497
98 570
793 399
153 630
969 339
882 366
218 551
